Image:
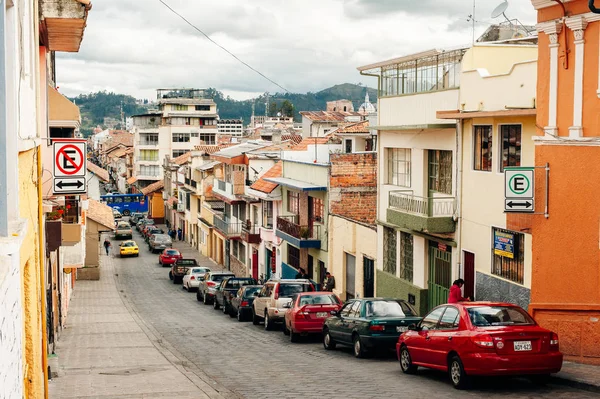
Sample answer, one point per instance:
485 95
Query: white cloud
136 46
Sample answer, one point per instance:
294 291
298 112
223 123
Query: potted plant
304 233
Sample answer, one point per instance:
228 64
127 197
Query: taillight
244 303
277 292
483 341
192 278
554 340
211 283
377 327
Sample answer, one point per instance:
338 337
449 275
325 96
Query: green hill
95 107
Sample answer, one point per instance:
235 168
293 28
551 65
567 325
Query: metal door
469 275
227 259
350 276
268 261
368 278
255 263
440 274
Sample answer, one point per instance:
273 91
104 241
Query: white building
230 127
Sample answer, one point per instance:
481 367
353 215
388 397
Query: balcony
62 24
298 235
250 233
227 190
428 214
227 227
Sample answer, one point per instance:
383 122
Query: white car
193 277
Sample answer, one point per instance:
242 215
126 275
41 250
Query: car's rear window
198 270
186 262
219 277
239 283
129 244
171 252
249 292
286 290
318 300
490 316
389 309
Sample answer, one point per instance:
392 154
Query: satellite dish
279 114
500 9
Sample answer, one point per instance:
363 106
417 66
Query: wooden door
469 275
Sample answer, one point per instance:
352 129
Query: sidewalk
107 351
582 376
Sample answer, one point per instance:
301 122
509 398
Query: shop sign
504 244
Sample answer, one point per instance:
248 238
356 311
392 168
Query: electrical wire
223 48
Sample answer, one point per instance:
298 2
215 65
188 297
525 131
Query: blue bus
126 203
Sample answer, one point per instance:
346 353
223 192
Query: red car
307 312
479 338
169 256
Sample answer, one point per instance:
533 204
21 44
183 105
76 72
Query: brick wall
237 267
353 186
11 329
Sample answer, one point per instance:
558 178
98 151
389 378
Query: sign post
519 191
70 167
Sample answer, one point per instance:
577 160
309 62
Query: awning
207 166
295 184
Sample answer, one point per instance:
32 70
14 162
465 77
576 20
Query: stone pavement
107 351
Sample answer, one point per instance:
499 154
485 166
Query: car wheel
359 350
136 255
457 373
268 323
255 319
215 304
286 330
204 299
231 313
328 342
174 279
294 337
225 308
240 318
406 363
170 276
126 212
159 262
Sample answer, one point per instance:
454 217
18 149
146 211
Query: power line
223 48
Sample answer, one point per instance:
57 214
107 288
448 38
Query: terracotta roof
117 137
156 186
359 127
101 213
211 149
285 145
129 151
180 160
132 180
328 116
98 171
172 200
119 153
296 138
265 186
303 145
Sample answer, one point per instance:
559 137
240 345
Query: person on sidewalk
301 273
455 295
180 234
329 283
107 246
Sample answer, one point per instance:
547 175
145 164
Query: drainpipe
593 7
458 213
42 271
4 165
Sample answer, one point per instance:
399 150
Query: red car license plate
321 314
522 346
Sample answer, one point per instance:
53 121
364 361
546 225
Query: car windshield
249 292
389 309
198 270
149 221
123 226
161 238
239 283
287 290
489 316
219 277
128 244
186 262
171 252
318 300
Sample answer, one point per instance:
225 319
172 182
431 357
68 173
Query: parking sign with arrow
519 190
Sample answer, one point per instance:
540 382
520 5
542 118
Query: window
482 148
398 166
148 155
389 308
267 221
178 153
194 134
406 256
239 211
293 256
148 139
510 136
440 171
188 200
430 321
238 250
449 319
355 310
346 309
317 211
149 170
293 202
208 138
181 137
487 316
389 250
348 146
180 107
508 255
202 107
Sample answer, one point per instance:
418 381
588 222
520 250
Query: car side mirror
287 305
256 293
334 313
414 327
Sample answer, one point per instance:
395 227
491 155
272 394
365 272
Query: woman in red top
455 295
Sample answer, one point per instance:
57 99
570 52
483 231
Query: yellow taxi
129 248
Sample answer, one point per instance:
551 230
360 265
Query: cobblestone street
200 345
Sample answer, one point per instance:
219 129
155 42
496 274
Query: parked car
307 312
241 303
269 302
117 214
479 339
180 268
152 229
123 230
159 242
135 217
129 248
208 287
193 277
369 324
229 286
169 256
143 223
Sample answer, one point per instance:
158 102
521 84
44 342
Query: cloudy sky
136 46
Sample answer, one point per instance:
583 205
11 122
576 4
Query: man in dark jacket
329 283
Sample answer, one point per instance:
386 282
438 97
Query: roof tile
98 171
101 213
267 187
156 186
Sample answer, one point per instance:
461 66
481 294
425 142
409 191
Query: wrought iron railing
406 201
226 226
250 227
288 225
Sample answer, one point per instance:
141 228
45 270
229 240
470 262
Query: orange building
565 289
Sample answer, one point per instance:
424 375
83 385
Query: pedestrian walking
180 234
329 282
455 295
107 246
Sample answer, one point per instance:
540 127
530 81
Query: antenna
267 105
500 10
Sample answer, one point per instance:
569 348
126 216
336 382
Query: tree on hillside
287 109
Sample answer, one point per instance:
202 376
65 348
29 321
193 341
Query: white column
578 25
551 128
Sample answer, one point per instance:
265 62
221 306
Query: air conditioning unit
180 208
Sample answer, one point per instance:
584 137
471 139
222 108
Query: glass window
287 290
389 250
318 300
482 148
148 155
398 166
293 256
208 138
249 292
318 209
488 316
508 255
389 309
180 107
178 153
118 200
440 171
449 319
430 321
406 256
267 221
181 137
510 136
355 310
346 309
202 107
128 199
293 202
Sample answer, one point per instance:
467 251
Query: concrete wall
416 109
92 244
393 287
93 188
497 59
